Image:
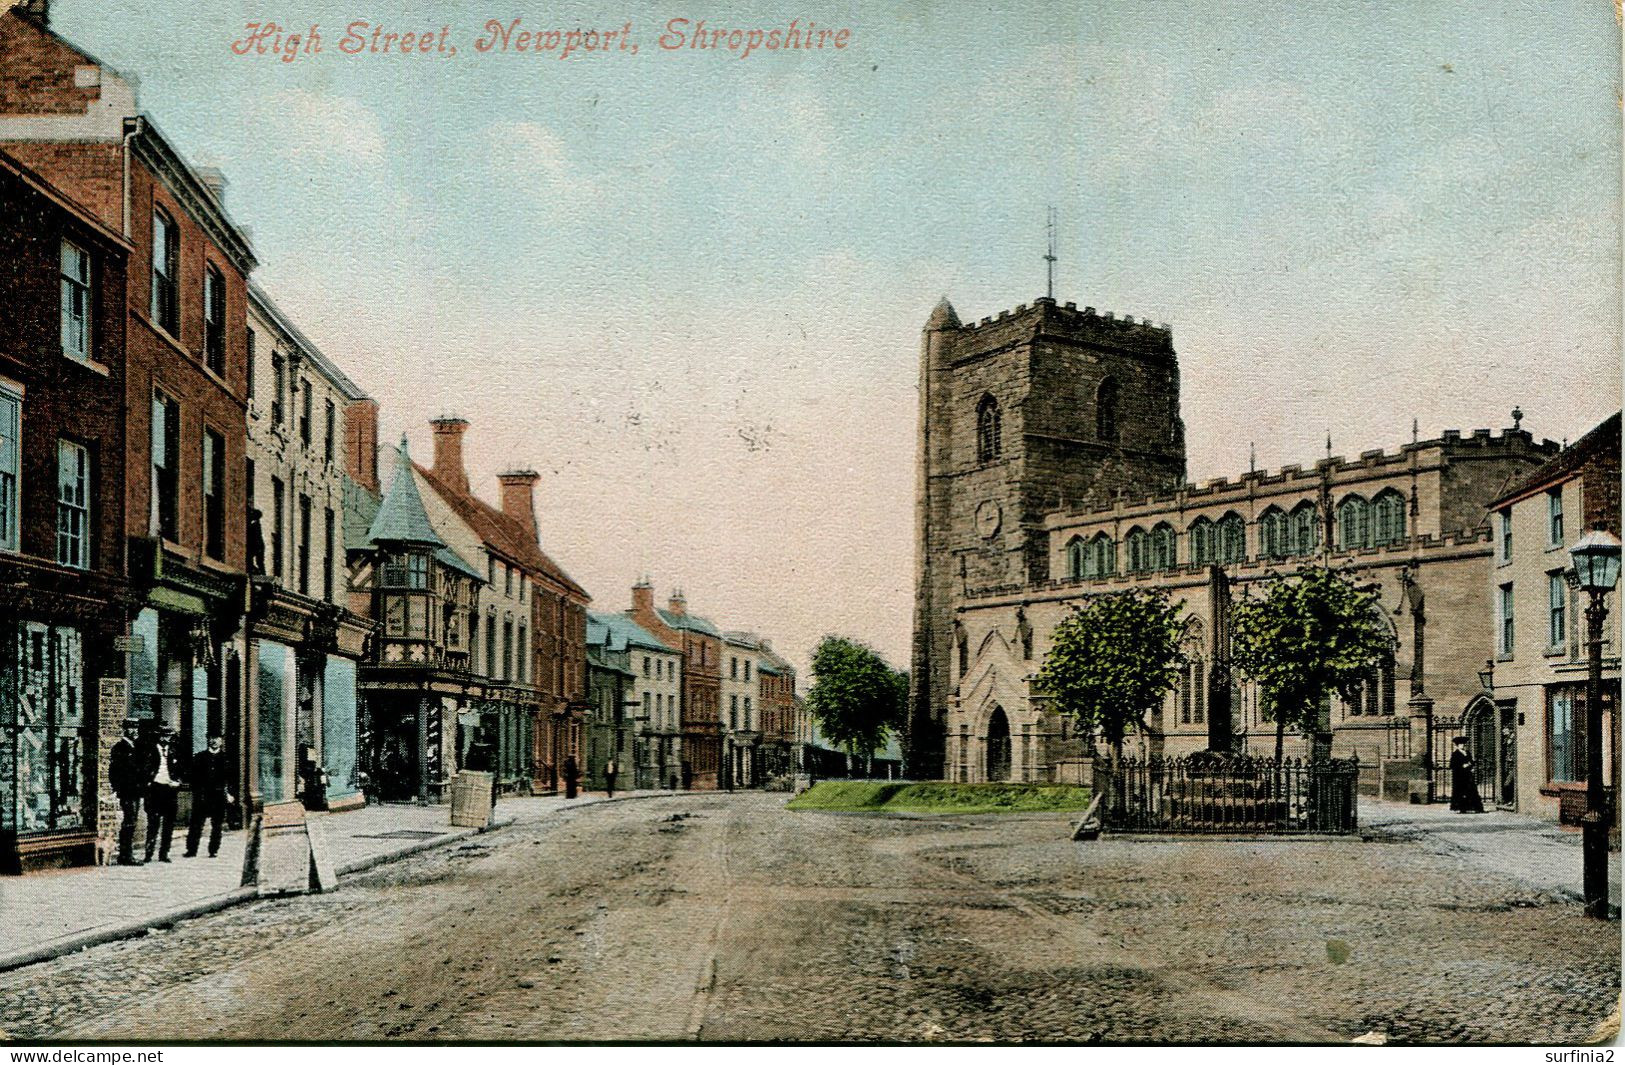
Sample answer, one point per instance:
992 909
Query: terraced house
1051 469
63 597
527 636
76 123
652 756
304 645
700 709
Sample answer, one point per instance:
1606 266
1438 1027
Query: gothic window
1106 411
1353 523
962 644
1139 551
1202 542
1303 529
1074 557
1164 554
989 431
1232 537
1387 525
1273 534
1100 558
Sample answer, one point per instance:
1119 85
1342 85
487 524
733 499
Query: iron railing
1205 794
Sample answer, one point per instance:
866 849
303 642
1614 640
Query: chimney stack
214 179
448 452
519 498
643 598
361 443
677 604
38 10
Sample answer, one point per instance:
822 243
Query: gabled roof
501 531
401 517
617 632
689 623
1601 442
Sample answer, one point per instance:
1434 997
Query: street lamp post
1596 564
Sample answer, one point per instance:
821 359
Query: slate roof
501 531
689 623
1601 442
401 518
617 632
447 557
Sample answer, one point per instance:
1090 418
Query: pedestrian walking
211 794
165 773
609 779
571 775
1464 797
127 776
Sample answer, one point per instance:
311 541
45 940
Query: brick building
700 714
1051 468
76 123
532 614
63 597
1527 734
783 734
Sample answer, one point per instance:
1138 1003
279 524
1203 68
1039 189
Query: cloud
535 158
326 126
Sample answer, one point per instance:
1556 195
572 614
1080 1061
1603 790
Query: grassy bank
941 798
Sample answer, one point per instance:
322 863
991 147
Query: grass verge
941 798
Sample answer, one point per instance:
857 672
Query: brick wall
37 71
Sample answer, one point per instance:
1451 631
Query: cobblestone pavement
727 918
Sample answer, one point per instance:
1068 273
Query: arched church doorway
998 745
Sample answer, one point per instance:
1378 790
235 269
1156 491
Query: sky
687 286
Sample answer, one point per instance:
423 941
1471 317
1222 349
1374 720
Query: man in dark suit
127 775
211 794
164 772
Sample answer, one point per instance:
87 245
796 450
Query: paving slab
55 911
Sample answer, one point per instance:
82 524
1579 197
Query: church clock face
989 515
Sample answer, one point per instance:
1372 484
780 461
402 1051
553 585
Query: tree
856 698
1112 660
1309 635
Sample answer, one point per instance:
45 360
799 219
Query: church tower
1040 407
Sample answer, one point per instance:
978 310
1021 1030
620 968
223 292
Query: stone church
1051 467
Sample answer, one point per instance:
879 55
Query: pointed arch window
1074 557
1272 534
1202 542
989 430
1106 411
1139 550
1164 554
1100 557
1387 518
1353 523
1232 545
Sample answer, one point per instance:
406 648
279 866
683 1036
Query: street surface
726 918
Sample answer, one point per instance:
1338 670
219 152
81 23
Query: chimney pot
448 451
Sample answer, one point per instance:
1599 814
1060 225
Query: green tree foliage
1310 634
1112 660
856 698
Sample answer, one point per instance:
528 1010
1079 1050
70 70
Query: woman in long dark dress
1464 797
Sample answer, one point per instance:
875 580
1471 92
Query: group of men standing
150 769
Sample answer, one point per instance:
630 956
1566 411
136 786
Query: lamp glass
1596 561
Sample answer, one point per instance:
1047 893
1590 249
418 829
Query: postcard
866 525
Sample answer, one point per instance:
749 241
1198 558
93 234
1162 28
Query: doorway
998 745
